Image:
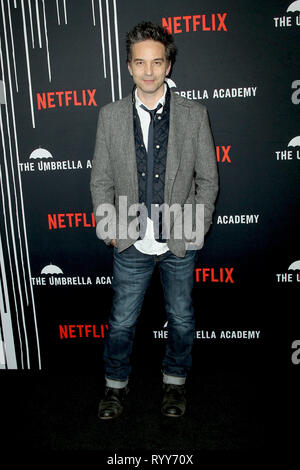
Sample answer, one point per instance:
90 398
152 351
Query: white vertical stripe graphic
10 210
117 49
46 39
10 353
57 13
93 12
102 38
37 12
31 25
9 138
28 63
13 47
14 255
3 364
9 253
65 12
110 53
18 200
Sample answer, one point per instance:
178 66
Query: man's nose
149 69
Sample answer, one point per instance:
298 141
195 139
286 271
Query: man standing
154 149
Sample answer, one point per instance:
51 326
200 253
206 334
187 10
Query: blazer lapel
178 122
126 131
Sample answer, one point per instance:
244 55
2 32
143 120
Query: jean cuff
115 383
171 379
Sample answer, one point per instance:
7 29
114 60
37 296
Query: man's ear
168 68
129 68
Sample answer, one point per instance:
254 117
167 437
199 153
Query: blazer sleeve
206 171
102 182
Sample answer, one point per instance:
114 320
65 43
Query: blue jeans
132 272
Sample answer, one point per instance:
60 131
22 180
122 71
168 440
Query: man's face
149 67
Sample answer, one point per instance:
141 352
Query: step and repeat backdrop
61 61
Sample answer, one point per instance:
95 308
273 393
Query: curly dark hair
148 30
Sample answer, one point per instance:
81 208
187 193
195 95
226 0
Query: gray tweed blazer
191 168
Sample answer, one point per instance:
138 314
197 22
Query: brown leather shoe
111 406
173 402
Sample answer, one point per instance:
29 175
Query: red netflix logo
222 152
187 24
71 220
82 331
59 99
214 275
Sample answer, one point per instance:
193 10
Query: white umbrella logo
294 266
295 142
295 6
40 153
170 83
51 269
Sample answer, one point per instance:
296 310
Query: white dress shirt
148 244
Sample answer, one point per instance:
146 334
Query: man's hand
114 242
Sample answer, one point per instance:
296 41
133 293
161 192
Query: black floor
58 412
